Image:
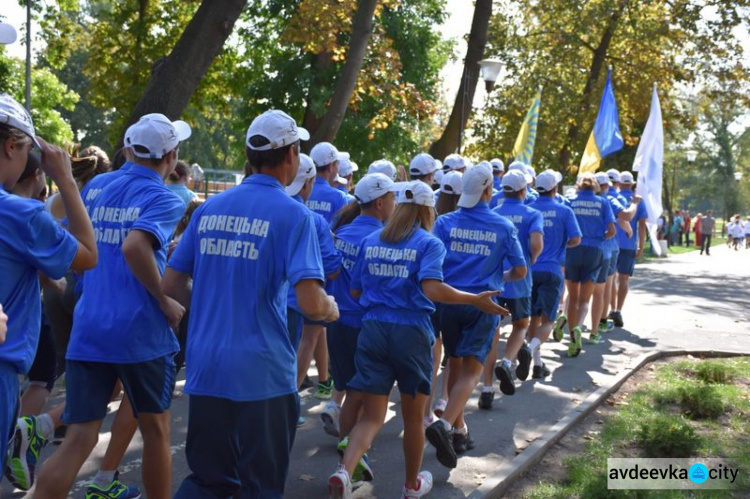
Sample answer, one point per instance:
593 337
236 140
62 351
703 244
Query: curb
497 484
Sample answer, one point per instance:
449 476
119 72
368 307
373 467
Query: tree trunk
355 57
449 140
597 64
175 78
320 66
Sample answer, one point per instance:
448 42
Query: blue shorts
626 262
435 320
148 385
519 308
467 331
342 347
294 323
9 406
545 294
582 263
601 276
388 352
613 263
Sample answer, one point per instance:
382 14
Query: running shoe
575 347
524 361
559 329
330 418
442 440
504 374
462 443
301 421
363 472
116 490
339 485
540 372
424 484
485 399
24 453
595 339
606 325
440 406
306 383
616 317
324 389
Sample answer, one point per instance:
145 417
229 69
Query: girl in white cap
397 277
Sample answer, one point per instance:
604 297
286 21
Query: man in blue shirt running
498 170
243 249
326 200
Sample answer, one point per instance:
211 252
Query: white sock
534 344
488 389
537 357
46 426
104 478
461 431
446 424
507 362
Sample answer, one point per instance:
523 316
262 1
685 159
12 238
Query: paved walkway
687 301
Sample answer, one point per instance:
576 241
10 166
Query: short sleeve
536 222
431 262
160 217
572 229
359 268
439 232
303 260
616 206
330 257
47 246
514 255
641 212
183 257
609 217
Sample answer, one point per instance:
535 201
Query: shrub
668 436
714 372
701 401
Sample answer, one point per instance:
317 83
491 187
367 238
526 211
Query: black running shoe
462 443
617 319
306 383
442 440
524 361
485 400
540 372
502 371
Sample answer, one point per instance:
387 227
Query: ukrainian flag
605 138
523 150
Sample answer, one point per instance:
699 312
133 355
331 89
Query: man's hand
55 162
638 253
484 302
333 316
172 310
3 324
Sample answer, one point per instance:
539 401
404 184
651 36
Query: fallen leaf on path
306 478
576 389
610 401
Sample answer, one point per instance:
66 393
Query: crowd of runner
378 282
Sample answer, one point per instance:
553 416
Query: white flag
649 162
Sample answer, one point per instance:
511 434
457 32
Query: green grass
651 413
679 250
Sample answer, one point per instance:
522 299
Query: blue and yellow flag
523 150
605 138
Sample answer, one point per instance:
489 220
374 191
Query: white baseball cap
514 181
325 153
558 175
473 183
626 178
374 185
14 114
305 172
546 181
416 192
346 165
422 164
530 170
602 178
518 166
383 166
614 175
8 33
451 183
497 165
439 174
455 162
278 128
156 136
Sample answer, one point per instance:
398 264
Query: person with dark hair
449 193
178 181
30 242
131 339
498 170
397 276
103 164
243 249
707 224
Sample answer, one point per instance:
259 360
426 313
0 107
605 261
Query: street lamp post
489 69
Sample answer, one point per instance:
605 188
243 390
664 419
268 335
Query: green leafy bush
668 436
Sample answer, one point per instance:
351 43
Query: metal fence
215 181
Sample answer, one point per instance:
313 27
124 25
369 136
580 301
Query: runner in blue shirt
516 296
385 167
498 170
397 277
326 200
243 248
344 179
584 262
478 242
130 339
631 247
561 232
531 194
31 241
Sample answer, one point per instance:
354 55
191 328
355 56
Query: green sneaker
24 454
575 347
116 490
559 329
363 471
595 338
324 390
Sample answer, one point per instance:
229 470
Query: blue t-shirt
325 200
497 199
30 241
497 183
560 225
330 256
477 241
531 195
390 276
182 192
641 213
561 199
116 319
244 247
593 214
348 241
527 221
94 187
618 204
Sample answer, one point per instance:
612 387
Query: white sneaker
424 482
340 487
440 406
330 418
